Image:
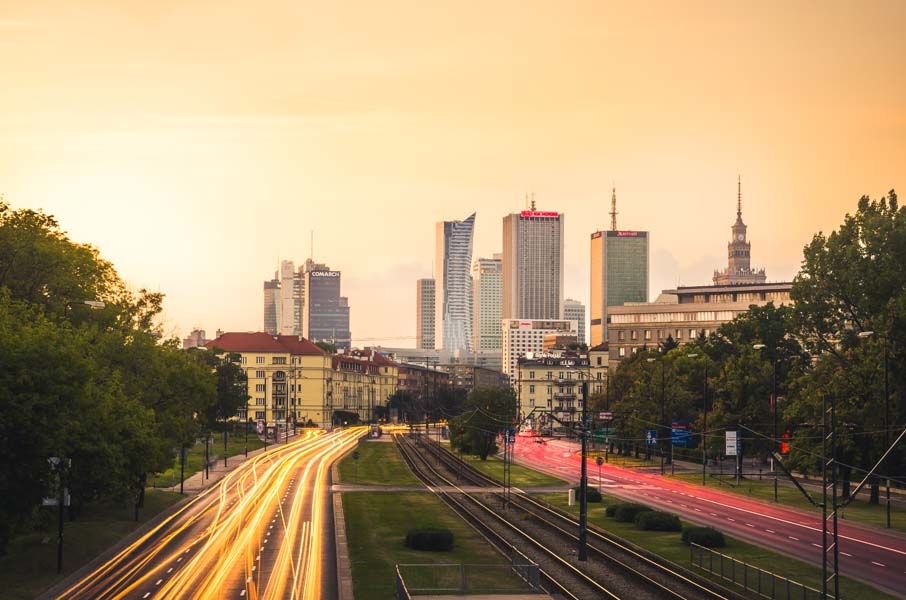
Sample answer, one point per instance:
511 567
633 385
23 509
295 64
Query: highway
867 554
258 533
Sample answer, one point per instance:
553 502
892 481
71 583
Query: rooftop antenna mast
738 196
533 201
613 209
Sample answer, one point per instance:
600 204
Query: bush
704 536
655 520
626 513
438 540
591 494
611 510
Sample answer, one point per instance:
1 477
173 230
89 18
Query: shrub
655 520
430 539
626 513
611 510
704 536
591 494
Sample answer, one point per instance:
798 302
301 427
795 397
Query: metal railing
749 577
520 577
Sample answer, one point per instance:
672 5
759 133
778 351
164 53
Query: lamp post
704 418
866 334
773 410
663 409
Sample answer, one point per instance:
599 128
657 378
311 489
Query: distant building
524 336
453 284
739 270
325 313
549 389
195 338
271 306
619 272
533 265
424 314
573 310
487 283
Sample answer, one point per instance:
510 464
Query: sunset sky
197 143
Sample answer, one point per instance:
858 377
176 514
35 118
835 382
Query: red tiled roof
263 342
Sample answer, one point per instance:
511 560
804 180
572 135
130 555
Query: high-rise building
271 306
453 284
487 303
619 272
424 314
290 300
573 310
533 265
325 313
738 269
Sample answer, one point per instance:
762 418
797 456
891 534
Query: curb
344 569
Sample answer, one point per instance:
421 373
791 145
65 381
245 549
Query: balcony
564 396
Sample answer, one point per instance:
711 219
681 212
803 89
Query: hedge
704 536
429 539
655 520
626 513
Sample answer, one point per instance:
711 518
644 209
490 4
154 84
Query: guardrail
749 577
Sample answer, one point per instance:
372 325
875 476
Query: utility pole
583 482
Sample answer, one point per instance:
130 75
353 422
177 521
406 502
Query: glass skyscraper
619 274
453 284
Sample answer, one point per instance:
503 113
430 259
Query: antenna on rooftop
613 209
533 201
738 196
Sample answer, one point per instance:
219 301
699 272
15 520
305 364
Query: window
259 401
599 361
278 360
647 334
259 414
260 387
621 335
241 360
531 389
633 335
622 352
259 360
259 374
531 374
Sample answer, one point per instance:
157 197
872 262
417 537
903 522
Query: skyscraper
619 272
325 313
271 305
424 314
453 284
573 310
739 251
487 282
533 265
290 321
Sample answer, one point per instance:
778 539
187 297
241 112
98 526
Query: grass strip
669 545
378 463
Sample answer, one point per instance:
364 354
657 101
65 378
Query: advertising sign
733 443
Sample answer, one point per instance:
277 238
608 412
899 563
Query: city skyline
293 131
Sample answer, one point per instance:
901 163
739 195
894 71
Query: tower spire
613 209
739 196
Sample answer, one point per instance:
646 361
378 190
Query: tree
852 281
487 412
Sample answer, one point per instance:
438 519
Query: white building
453 284
573 310
533 265
487 282
521 336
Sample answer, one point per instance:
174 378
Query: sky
197 143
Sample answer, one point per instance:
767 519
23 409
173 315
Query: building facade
549 390
532 265
325 313
686 313
619 274
522 337
424 314
573 310
487 282
453 283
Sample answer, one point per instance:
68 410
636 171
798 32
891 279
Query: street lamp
663 409
867 334
774 410
704 420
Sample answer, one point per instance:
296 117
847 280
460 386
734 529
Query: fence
520 577
749 577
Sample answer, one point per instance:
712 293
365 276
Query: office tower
325 313
738 269
290 312
487 303
453 284
424 314
573 310
619 272
271 305
533 265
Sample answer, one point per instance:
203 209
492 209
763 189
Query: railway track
548 537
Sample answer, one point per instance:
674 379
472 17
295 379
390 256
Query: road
258 533
873 555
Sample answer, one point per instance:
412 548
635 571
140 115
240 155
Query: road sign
605 416
599 461
651 437
681 433
733 443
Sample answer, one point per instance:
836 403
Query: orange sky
198 142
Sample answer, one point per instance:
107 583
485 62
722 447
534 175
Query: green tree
487 413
